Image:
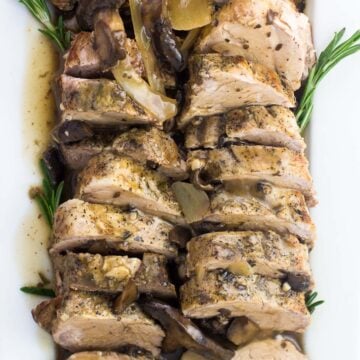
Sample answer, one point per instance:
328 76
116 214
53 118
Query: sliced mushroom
87 9
200 183
182 332
45 313
54 167
168 44
180 235
107 46
73 131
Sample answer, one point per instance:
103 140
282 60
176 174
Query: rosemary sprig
50 195
34 290
57 32
331 56
310 302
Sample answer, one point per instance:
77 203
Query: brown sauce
39 104
32 239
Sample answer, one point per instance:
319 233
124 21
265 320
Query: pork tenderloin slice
279 349
96 228
240 163
86 321
122 181
262 125
251 252
261 206
270 32
100 102
110 274
260 299
221 83
153 147
94 272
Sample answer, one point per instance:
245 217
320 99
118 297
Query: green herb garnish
331 56
49 196
310 302
57 33
33 290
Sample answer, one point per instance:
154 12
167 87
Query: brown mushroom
180 235
298 281
107 45
87 9
73 131
200 183
182 332
45 312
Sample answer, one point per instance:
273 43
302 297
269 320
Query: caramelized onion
189 14
138 89
143 41
193 202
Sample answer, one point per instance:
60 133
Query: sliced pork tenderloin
260 206
251 252
219 84
262 125
95 228
122 181
270 32
260 299
241 163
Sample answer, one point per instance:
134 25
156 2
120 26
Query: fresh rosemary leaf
309 301
332 55
49 198
57 33
33 290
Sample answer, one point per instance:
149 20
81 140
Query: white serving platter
334 151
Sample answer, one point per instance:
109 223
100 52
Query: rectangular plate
334 149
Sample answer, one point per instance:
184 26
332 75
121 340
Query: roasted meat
261 206
110 274
241 163
260 299
249 252
79 225
86 321
122 181
271 126
270 32
153 147
219 83
100 102
90 272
